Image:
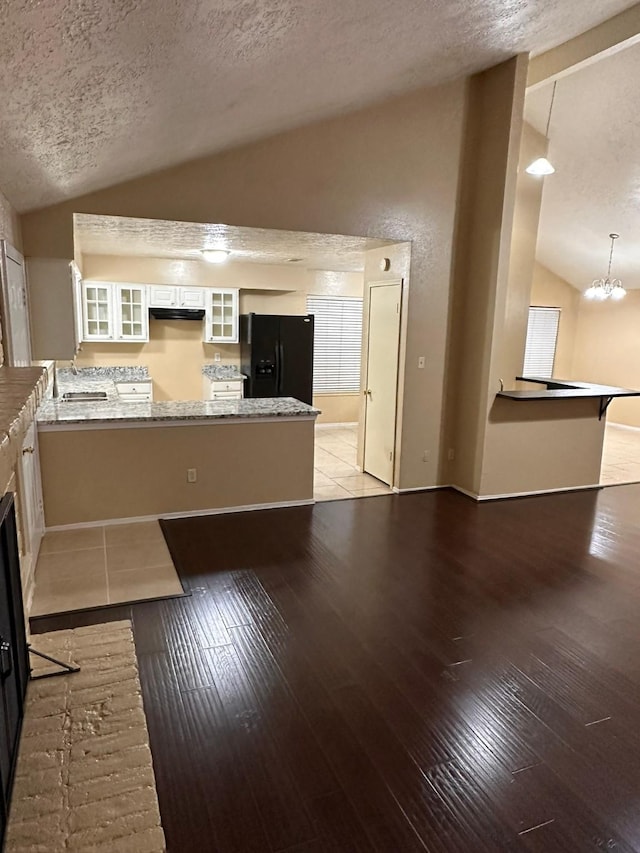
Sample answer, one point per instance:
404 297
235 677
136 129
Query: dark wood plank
410 674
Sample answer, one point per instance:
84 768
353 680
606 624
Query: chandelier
605 288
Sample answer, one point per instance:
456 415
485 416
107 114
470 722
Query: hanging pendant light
606 288
541 166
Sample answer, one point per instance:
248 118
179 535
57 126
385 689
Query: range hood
177 313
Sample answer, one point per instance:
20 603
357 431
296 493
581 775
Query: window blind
542 335
337 343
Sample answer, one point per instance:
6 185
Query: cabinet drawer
226 395
220 385
134 390
135 398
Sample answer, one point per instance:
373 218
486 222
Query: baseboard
187 514
623 426
338 425
398 491
507 495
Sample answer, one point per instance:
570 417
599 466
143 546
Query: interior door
15 315
382 380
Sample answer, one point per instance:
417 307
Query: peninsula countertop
563 389
56 413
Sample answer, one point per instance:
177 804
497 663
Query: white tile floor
336 475
621 455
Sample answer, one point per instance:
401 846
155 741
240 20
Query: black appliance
177 313
14 655
276 353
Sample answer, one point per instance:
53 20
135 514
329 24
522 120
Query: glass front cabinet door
222 316
131 316
97 311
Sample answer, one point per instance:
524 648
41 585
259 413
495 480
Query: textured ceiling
96 92
156 238
595 147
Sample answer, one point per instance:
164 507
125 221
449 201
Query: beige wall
551 291
389 171
485 222
542 445
522 258
607 350
143 471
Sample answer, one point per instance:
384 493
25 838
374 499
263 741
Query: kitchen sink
83 396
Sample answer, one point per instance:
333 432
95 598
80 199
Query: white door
17 336
382 380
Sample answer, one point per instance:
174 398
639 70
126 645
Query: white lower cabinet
135 392
31 511
223 389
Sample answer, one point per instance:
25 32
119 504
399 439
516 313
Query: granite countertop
221 372
21 389
54 413
99 379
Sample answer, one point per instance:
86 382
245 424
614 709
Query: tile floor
336 475
621 455
95 566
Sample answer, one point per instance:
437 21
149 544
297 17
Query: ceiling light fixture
541 166
605 288
215 256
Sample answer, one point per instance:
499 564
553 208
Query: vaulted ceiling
98 92
595 147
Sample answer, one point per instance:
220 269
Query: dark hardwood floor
398 674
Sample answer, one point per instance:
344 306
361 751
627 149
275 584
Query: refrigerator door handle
280 368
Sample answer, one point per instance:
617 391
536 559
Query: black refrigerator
276 353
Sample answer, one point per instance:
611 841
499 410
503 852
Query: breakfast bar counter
110 461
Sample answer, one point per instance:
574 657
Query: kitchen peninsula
109 460
544 435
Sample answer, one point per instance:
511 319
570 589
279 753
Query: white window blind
337 343
542 335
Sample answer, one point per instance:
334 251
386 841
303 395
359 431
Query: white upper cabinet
131 315
191 297
168 296
162 296
97 311
221 322
114 312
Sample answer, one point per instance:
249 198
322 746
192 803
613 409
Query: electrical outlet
192 475
425 456
216 356
451 455
421 362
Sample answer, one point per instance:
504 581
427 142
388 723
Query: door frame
399 283
8 252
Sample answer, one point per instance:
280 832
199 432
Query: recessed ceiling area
156 238
595 147
98 93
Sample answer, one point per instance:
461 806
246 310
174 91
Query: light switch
421 362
